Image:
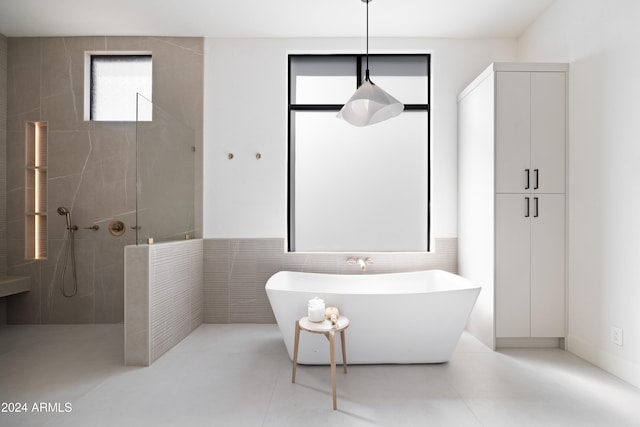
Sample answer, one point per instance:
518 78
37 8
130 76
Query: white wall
246 113
601 41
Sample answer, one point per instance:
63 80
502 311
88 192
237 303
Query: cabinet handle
526 177
526 207
536 175
535 207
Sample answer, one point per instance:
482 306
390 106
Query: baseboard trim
529 343
615 365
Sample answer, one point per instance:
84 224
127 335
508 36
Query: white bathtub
415 317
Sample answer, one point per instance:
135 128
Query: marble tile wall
3 170
91 167
3 160
236 271
164 297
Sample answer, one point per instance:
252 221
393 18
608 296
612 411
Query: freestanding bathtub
415 317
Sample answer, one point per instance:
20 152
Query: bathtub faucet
361 262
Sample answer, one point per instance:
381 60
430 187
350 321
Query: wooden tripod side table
328 331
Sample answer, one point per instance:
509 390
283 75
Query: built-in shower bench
10 285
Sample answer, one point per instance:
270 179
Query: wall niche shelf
36 190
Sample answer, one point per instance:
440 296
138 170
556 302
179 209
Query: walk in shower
109 175
165 176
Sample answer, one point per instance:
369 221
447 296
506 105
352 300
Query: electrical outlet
615 335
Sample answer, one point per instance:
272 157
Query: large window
357 188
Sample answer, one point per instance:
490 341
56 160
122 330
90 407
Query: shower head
64 211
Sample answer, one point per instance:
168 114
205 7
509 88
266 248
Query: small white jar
315 310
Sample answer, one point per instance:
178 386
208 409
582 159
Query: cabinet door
513 132
548 130
512 267
548 266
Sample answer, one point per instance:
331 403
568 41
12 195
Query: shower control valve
116 228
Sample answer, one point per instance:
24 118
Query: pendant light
369 104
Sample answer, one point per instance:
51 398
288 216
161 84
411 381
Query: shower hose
69 254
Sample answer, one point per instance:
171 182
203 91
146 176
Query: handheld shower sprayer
64 211
70 253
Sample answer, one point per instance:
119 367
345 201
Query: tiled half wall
236 270
163 298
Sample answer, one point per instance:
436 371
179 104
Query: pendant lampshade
370 104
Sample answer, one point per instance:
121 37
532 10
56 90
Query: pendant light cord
366 76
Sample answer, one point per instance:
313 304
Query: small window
115 80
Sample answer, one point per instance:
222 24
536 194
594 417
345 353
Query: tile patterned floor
240 375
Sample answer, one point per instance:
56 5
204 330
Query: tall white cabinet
511 201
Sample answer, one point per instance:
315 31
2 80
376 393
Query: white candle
315 310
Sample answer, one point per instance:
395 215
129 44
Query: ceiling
269 18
